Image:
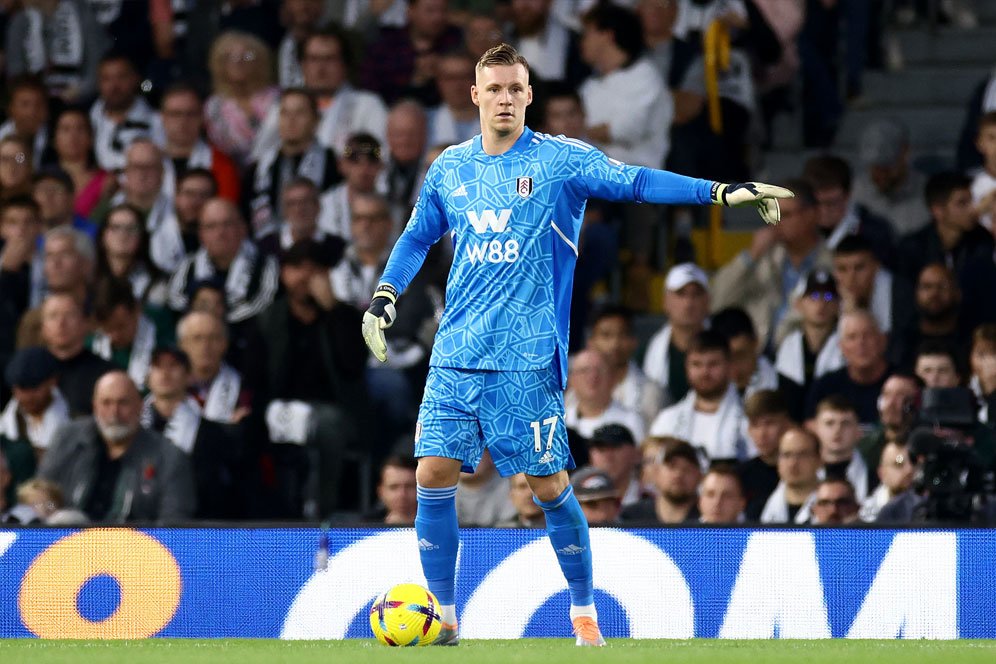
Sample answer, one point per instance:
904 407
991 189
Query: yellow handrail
716 49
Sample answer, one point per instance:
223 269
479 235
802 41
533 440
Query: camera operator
953 455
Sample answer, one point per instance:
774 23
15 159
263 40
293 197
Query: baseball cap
681 450
611 435
30 367
592 484
882 142
173 351
820 281
683 274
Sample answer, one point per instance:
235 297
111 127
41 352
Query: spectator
864 284
590 402
250 278
193 190
300 204
113 469
32 415
865 368
481 32
456 118
68 268
813 349
299 17
936 364
550 47
835 504
325 61
53 191
836 425
123 253
123 335
64 330
401 62
73 143
215 385
563 113
298 153
953 236
37 501
22 278
361 167
27 113
482 496
598 497
895 474
396 492
307 375
120 114
58 41
763 278
612 335
798 468
767 419
527 513
677 474
686 303
983 362
628 107
243 93
214 452
984 181
831 179
182 110
658 19
749 370
938 315
889 187
721 497
15 167
710 416
896 416
612 449
407 138
651 450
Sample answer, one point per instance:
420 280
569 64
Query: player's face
720 499
502 94
611 337
936 371
708 373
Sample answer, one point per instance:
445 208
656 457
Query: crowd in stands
197 200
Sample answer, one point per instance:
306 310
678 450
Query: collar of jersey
518 146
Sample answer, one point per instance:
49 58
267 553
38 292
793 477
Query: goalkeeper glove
379 317
762 196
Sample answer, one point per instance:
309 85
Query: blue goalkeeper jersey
515 220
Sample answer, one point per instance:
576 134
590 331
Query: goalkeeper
513 200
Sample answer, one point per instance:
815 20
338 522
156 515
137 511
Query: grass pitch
544 651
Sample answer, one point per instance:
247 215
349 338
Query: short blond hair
502 55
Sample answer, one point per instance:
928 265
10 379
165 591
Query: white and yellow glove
379 317
762 196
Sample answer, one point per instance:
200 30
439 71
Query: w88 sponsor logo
494 251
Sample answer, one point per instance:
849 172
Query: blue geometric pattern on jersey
463 411
515 219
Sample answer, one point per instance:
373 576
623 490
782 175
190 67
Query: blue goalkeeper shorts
517 415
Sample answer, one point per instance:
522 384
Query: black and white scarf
200 157
729 441
181 428
141 350
111 139
264 204
106 11
335 218
166 248
351 282
223 395
288 66
39 434
791 363
249 268
289 421
776 509
60 60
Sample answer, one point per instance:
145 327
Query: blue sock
438 540
568 531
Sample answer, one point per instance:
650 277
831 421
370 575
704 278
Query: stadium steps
948 45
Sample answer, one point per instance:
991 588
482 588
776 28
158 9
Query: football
406 615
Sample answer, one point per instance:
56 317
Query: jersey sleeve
426 225
603 177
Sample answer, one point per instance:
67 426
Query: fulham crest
524 186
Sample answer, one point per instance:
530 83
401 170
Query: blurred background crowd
197 198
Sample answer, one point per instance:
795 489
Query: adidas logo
461 191
426 545
546 458
571 550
